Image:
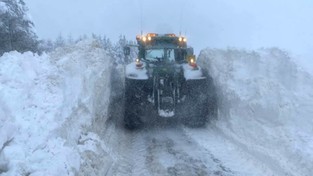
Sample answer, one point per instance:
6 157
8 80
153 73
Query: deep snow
60 115
48 104
265 106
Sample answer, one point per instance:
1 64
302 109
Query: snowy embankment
48 104
265 106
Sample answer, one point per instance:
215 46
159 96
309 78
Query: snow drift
48 104
265 106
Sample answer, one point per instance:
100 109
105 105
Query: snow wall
265 106
48 105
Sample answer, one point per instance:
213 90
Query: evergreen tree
70 40
16 29
107 44
45 46
118 49
59 42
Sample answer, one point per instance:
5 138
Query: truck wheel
131 121
197 102
135 95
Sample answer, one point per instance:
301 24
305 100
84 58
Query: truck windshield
160 55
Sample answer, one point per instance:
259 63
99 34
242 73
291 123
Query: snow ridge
47 107
265 103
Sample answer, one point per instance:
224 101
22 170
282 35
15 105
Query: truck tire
135 97
197 103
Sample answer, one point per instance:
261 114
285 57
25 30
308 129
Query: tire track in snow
237 156
176 154
165 151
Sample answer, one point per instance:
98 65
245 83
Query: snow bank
265 106
47 108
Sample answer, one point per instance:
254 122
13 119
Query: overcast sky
287 24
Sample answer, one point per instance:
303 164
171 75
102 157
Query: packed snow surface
61 113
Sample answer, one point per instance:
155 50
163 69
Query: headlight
192 60
138 64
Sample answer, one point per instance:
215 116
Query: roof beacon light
170 35
152 34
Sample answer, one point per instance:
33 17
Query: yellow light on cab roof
151 34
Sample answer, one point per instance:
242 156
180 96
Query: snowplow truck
164 81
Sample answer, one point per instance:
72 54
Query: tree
70 40
16 29
59 42
118 49
107 44
45 46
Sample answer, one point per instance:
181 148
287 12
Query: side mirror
126 50
189 51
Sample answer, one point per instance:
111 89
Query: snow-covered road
176 150
166 151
